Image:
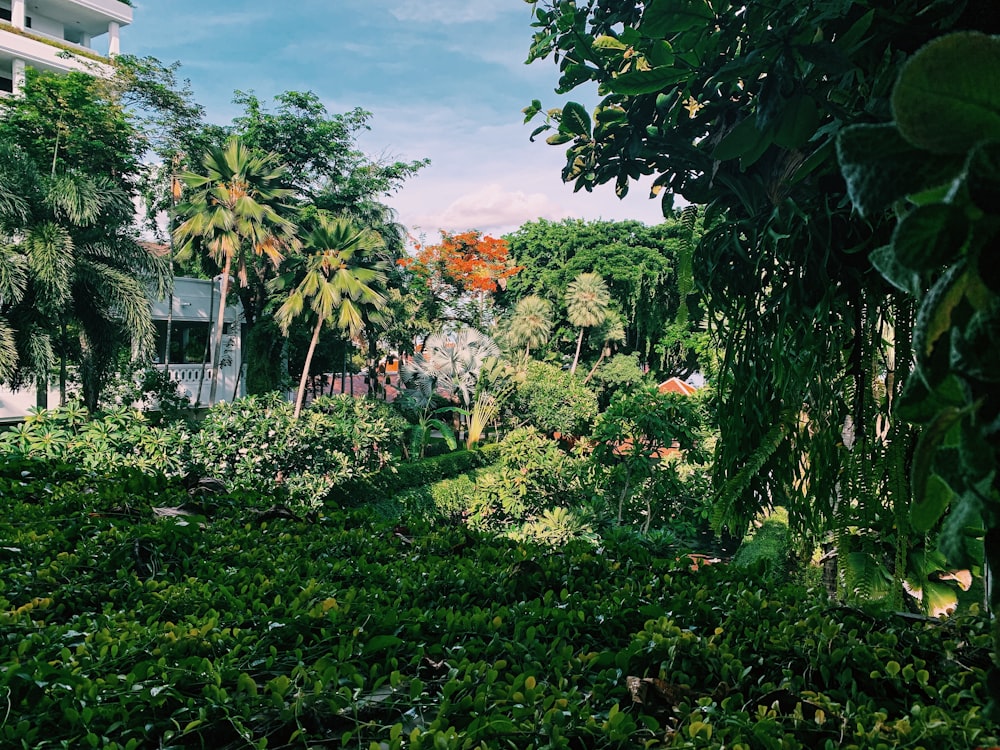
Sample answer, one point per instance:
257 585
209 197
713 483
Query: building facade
185 326
58 36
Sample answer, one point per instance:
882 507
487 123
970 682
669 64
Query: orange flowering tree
462 272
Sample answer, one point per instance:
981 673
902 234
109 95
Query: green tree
530 324
554 401
339 279
737 107
233 213
587 304
645 268
72 158
636 436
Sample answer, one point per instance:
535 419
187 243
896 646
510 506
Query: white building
59 36
185 325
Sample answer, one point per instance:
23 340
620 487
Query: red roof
676 385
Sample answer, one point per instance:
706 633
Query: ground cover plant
221 624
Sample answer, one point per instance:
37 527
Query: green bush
255 443
123 629
769 547
554 400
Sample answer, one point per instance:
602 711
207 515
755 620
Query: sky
444 80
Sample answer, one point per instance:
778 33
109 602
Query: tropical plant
73 269
554 401
637 439
451 364
234 213
530 324
587 305
340 279
935 169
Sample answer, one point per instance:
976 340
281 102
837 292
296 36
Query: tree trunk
576 358
305 369
220 324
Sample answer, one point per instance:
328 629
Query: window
5 15
188 342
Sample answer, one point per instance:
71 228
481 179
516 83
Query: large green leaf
797 123
646 81
982 177
902 277
880 166
930 236
574 120
936 497
947 99
664 17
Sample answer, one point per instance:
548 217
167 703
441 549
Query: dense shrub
116 438
255 443
554 400
121 629
395 479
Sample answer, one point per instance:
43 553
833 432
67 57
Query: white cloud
492 209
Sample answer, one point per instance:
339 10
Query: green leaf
917 404
557 139
946 99
902 277
574 120
982 177
609 42
937 496
798 122
382 643
742 139
934 316
930 236
639 82
665 17
880 166
931 437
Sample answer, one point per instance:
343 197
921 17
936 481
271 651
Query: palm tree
451 364
531 324
339 280
70 264
587 304
234 212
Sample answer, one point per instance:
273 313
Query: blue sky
444 80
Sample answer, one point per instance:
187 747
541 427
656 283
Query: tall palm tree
531 324
234 213
587 304
340 279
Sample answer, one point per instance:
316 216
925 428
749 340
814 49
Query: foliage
116 438
451 365
392 480
637 439
640 264
66 122
530 324
233 213
739 110
126 630
341 277
76 284
937 167
554 400
257 444
588 304
621 373
768 547
462 272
